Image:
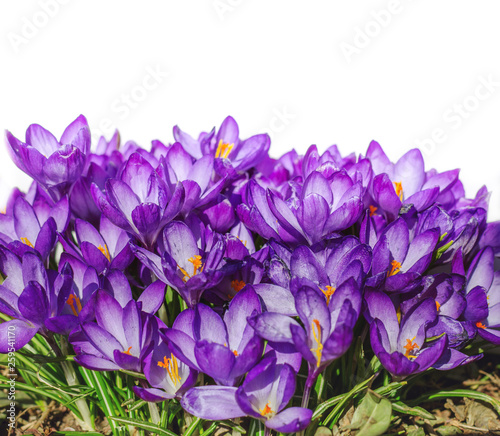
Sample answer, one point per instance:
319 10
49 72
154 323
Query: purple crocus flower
168 376
483 285
139 201
399 263
54 164
105 249
327 329
405 182
231 154
264 394
223 348
120 339
184 265
23 231
196 177
400 344
31 295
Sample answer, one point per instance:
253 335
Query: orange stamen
104 250
223 149
266 411
128 351
328 293
398 186
316 329
27 242
237 285
172 367
235 353
373 209
438 305
410 347
72 301
396 267
480 325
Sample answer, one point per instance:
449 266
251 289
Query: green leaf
373 416
460 393
415 411
145 425
417 432
342 399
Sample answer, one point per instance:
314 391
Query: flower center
267 412
27 242
127 351
104 250
197 267
328 293
316 330
395 268
223 149
398 186
373 209
411 348
480 325
237 285
172 367
75 304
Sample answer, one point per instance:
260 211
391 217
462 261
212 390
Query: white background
320 72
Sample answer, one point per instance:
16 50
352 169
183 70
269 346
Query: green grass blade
143 425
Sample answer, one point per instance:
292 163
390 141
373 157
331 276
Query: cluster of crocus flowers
278 262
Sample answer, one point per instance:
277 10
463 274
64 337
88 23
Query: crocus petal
212 402
290 420
152 297
24 332
152 395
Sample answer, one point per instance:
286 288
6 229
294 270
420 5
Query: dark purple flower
31 295
184 265
139 201
168 376
225 349
105 249
54 164
120 338
400 343
264 394
231 154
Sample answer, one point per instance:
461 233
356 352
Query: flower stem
311 378
71 378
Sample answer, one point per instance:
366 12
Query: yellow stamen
104 250
398 314
27 242
373 209
396 267
266 411
480 325
223 149
172 367
237 285
127 351
398 186
317 338
328 293
197 263
409 353
72 301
